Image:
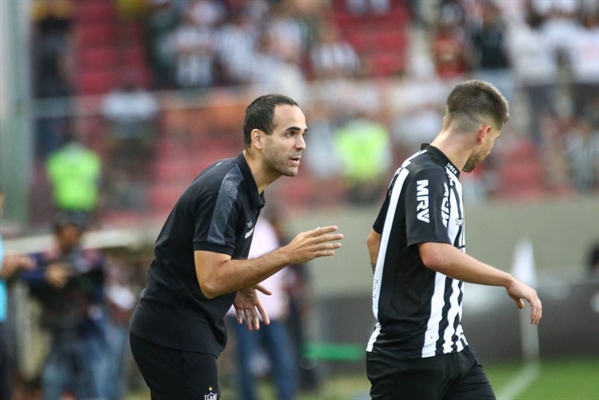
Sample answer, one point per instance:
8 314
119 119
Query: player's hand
248 306
319 242
519 291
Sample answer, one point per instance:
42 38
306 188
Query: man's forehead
286 114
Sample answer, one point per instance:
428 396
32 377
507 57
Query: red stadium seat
101 34
97 82
97 58
95 11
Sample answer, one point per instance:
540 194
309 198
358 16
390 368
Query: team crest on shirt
211 396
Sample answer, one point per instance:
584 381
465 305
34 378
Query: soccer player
417 250
200 265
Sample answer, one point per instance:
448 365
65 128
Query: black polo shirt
216 213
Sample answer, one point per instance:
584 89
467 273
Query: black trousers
173 374
454 376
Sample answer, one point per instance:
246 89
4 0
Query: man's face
483 151
283 148
68 237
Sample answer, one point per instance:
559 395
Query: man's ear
257 138
482 133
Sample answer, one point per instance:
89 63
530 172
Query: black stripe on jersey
444 323
456 321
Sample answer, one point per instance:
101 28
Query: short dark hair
74 218
473 102
260 115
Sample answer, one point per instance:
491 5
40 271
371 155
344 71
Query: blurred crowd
542 54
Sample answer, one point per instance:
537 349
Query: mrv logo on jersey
422 198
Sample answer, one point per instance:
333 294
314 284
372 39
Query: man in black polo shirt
417 249
200 265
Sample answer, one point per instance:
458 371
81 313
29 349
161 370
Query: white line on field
525 377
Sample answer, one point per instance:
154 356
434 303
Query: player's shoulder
424 164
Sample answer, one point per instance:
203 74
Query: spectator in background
120 301
332 57
193 48
289 34
490 53
235 45
298 288
162 20
583 57
208 13
52 67
448 48
416 106
535 69
9 266
74 173
52 21
131 112
272 72
582 152
273 338
69 283
365 149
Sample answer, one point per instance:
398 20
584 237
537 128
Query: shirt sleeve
426 202
216 219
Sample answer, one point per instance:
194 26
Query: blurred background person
53 67
364 145
10 264
193 47
69 283
75 176
490 57
298 287
120 300
535 70
272 339
131 112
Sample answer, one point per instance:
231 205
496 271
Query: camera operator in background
68 281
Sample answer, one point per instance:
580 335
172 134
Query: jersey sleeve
426 202
215 222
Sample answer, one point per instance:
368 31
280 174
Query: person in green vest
365 149
74 172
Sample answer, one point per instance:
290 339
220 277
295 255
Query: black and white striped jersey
418 310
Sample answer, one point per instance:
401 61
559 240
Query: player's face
483 151
283 148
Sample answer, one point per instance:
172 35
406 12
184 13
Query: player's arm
373 242
219 274
450 261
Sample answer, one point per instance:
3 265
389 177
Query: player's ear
482 133
257 138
